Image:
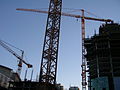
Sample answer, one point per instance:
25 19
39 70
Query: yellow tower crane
83 18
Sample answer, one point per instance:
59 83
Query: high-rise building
103 58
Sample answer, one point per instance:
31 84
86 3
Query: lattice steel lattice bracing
51 43
84 83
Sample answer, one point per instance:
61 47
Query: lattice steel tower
51 42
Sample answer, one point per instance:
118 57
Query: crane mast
84 83
2 43
48 67
20 64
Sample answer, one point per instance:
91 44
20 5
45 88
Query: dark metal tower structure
51 42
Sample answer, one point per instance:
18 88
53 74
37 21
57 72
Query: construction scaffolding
103 54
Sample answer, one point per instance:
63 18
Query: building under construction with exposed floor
103 58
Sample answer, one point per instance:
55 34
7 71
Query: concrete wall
4 81
5 71
6 75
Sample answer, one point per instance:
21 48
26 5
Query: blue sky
26 31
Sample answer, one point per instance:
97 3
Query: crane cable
11 45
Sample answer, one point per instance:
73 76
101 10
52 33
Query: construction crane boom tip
29 65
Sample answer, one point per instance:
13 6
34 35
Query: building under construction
103 58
